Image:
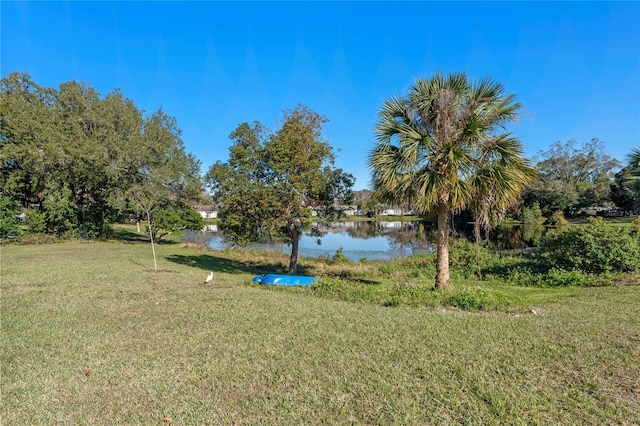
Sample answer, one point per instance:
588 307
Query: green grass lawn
92 335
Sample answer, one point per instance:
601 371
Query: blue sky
214 65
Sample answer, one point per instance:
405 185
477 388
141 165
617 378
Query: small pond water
373 239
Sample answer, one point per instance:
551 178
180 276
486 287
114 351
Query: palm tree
444 146
498 181
634 173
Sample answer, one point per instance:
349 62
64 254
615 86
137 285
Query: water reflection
380 239
210 228
358 240
515 237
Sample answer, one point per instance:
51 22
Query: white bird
209 278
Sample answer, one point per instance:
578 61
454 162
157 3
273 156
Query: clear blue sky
214 65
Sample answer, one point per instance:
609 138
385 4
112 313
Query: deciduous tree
572 176
77 160
274 181
164 176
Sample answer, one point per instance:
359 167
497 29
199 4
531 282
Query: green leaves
273 180
8 216
595 249
573 176
77 159
444 148
633 177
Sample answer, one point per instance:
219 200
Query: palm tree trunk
295 242
442 255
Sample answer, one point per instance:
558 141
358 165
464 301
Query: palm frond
442 141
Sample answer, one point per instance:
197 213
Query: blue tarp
291 280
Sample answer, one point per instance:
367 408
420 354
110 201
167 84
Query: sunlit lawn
92 335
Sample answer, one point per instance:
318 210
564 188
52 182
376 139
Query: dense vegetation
575 176
74 162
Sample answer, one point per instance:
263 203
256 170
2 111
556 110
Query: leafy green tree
56 152
433 145
572 176
173 218
532 224
27 131
165 176
558 220
76 160
274 181
9 211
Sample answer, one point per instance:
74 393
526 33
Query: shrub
532 216
468 258
595 249
472 298
559 278
340 257
558 220
534 273
36 222
8 216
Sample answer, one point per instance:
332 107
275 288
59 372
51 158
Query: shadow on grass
219 264
134 237
347 275
367 282
129 236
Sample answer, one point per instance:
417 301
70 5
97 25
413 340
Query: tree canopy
275 181
77 161
572 176
444 147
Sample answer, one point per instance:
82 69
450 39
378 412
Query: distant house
207 212
393 211
349 210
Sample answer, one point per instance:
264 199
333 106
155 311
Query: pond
376 239
358 240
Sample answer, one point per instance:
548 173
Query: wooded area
74 161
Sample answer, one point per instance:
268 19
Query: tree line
572 178
74 162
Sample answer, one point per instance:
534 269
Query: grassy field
92 335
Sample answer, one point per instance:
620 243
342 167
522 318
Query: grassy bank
92 335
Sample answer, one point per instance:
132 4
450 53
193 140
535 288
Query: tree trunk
476 231
442 255
295 242
153 248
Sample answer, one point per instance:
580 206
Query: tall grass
92 335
